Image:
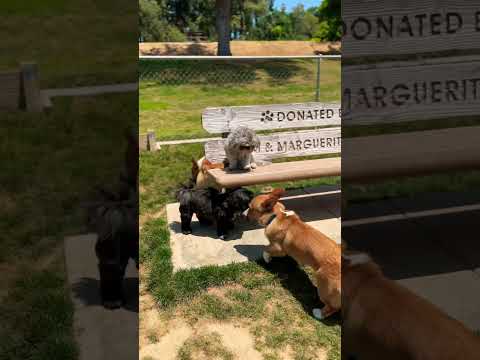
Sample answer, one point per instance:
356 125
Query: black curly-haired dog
114 217
212 207
116 224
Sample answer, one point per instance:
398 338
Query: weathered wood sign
393 27
265 117
10 90
286 144
408 91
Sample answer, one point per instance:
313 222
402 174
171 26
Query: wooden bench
197 36
276 145
20 90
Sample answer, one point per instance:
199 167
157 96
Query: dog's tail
184 192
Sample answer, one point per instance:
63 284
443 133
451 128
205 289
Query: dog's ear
272 199
278 193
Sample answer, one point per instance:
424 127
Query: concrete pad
456 293
247 241
402 249
458 235
101 334
436 257
370 209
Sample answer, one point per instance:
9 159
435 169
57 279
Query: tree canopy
173 20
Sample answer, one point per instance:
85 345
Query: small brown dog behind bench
289 235
199 173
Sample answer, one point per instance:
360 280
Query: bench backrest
273 117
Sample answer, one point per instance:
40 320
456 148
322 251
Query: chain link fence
234 70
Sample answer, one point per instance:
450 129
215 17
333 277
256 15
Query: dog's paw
317 314
253 165
112 304
186 232
267 257
222 237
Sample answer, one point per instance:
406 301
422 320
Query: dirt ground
165 336
242 48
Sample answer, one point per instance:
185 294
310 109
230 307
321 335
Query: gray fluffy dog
239 147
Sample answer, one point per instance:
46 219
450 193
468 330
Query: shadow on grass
297 282
192 49
184 72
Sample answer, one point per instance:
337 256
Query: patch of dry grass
204 347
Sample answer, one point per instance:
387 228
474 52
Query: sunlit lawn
49 161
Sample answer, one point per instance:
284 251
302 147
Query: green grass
74 43
174 111
45 320
50 161
48 171
413 186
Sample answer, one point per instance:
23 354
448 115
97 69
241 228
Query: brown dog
199 173
289 235
384 320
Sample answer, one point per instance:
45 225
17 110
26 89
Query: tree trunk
224 14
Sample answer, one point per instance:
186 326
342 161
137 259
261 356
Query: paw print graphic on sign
266 116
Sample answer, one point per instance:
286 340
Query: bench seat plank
411 154
278 172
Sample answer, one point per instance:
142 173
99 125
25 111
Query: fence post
317 93
31 87
151 141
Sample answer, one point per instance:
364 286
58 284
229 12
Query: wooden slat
10 90
278 172
453 90
267 117
92 90
416 153
287 144
409 35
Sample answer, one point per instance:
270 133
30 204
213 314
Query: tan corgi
289 235
384 320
